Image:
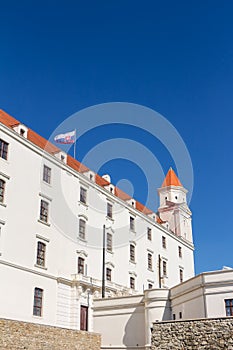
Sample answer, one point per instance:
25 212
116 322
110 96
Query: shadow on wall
134 330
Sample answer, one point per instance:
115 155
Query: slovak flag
67 138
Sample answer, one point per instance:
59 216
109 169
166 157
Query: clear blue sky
176 57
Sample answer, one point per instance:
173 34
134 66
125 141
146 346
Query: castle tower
173 209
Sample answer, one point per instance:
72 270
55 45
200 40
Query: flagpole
75 145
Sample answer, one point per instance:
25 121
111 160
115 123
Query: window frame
82 229
132 253
229 307
47 172
81 265
38 302
40 254
150 261
180 253
132 282
109 242
164 242
2 190
4 149
44 211
164 267
108 274
132 223
149 233
181 274
83 195
109 210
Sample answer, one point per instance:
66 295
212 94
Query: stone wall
22 335
209 334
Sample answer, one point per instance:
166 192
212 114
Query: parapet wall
209 334
15 335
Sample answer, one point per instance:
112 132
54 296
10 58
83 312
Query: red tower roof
171 179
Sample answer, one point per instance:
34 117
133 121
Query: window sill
109 218
46 183
82 239
109 251
41 267
3 204
151 270
43 222
133 231
133 262
84 204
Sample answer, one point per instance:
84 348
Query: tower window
150 285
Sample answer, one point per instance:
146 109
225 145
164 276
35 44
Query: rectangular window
149 233
40 257
81 265
82 229
132 282
109 242
109 210
83 195
132 253
164 268
181 275
229 307
149 258
180 314
3 149
180 252
47 174
38 299
132 223
2 190
164 243
44 208
108 274
174 316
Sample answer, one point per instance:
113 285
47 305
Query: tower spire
171 179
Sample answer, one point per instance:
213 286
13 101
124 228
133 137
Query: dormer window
21 129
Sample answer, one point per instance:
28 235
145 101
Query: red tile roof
41 142
171 179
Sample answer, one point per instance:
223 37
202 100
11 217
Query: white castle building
69 236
